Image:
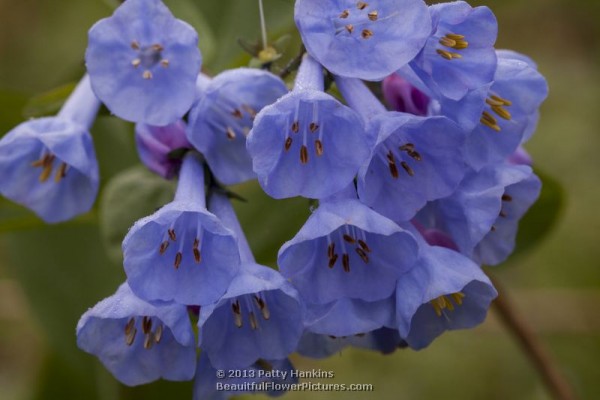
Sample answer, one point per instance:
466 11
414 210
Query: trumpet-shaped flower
259 317
307 143
359 39
223 116
49 164
182 252
143 63
139 342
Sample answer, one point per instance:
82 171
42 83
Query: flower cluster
412 200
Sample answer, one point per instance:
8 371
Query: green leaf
129 196
542 216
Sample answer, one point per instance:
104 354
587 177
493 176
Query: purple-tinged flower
182 252
444 291
139 342
347 250
348 317
459 55
270 377
156 144
49 164
223 116
366 40
383 340
307 143
143 63
481 217
403 97
259 317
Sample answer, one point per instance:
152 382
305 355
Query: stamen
348 238
502 112
346 262
488 120
493 102
129 326
415 155
288 143
230 133
392 165
148 341
366 33
455 36
264 310
319 147
295 126
350 28
331 250
364 246
47 171
407 168
136 63
344 14
304 154
163 247
147 74
237 315
135 45
178 258
506 197
251 111
500 99
407 147
157 47
361 5
158 333
458 297
446 41
237 114
332 261
373 15
164 62
502 214
253 323
146 324
493 228
130 337
362 255
442 302
313 127
61 173
197 255
448 55
172 234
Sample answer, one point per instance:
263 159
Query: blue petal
281 170
223 116
164 95
386 252
440 272
369 42
104 332
237 337
59 196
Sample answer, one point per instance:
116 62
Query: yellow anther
230 133
436 307
489 117
345 14
366 33
361 5
447 42
461 44
502 112
373 15
158 334
157 47
164 62
458 297
252 319
46 172
454 36
448 303
135 45
136 63
502 100
61 173
488 120
350 28
493 102
147 74
445 54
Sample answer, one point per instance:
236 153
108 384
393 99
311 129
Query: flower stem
263 25
541 359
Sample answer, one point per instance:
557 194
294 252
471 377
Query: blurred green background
49 275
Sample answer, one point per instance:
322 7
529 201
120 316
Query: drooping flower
404 97
307 143
223 116
482 215
139 342
259 317
347 250
156 144
49 164
415 159
366 40
383 340
444 291
182 252
143 63
459 55
270 377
